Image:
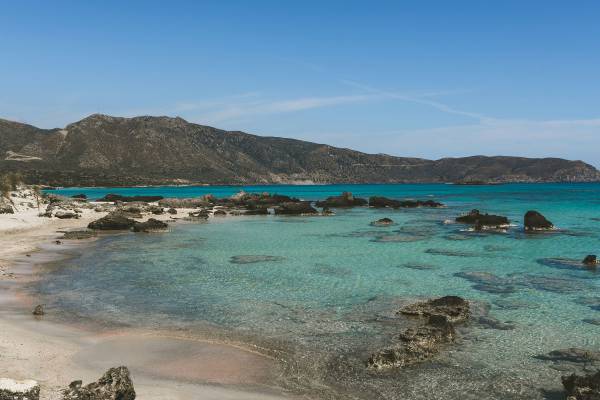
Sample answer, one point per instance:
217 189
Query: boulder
346 199
383 222
172 211
66 214
152 225
454 308
416 344
590 259
11 389
198 214
113 221
295 208
586 387
534 221
6 207
483 221
115 384
156 210
220 213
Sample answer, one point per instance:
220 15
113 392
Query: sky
424 78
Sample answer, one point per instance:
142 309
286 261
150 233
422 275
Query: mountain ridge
103 150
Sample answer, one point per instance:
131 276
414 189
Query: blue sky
421 78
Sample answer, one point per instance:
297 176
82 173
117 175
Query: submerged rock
113 221
586 387
416 344
152 225
115 384
483 221
493 323
78 235
11 389
572 355
383 222
534 221
251 259
296 208
454 308
346 199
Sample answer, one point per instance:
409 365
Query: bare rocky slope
105 150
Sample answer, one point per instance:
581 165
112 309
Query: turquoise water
325 289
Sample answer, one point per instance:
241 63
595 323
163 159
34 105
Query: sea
320 294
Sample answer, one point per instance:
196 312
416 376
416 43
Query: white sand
54 354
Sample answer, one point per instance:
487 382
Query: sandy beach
163 365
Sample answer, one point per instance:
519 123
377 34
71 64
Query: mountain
105 150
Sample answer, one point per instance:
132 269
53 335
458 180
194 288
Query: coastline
163 365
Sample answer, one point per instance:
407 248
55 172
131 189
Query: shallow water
326 288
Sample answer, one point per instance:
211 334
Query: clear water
327 293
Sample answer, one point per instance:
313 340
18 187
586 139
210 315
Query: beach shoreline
163 365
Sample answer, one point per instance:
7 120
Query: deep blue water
331 285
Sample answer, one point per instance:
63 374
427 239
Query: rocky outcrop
483 221
152 225
590 260
383 222
382 202
454 308
115 384
346 199
416 344
66 214
112 222
6 207
111 198
295 208
534 221
184 203
586 387
80 196
11 389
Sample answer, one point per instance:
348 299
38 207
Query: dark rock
493 323
156 210
346 199
113 221
80 196
296 208
585 387
592 321
152 225
590 259
251 259
572 355
454 308
184 203
416 345
202 214
38 311
257 211
66 214
115 384
383 222
327 212
128 199
379 202
6 208
534 221
220 213
483 221
172 211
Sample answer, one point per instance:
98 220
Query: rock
327 212
534 221
198 214
11 389
80 196
172 211
156 210
572 355
78 235
586 387
592 321
113 221
184 203
152 225
383 222
416 344
6 207
66 214
127 199
590 259
379 202
252 259
257 211
296 208
454 308
220 213
346 199
483 221
38 311
493 323
115 384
